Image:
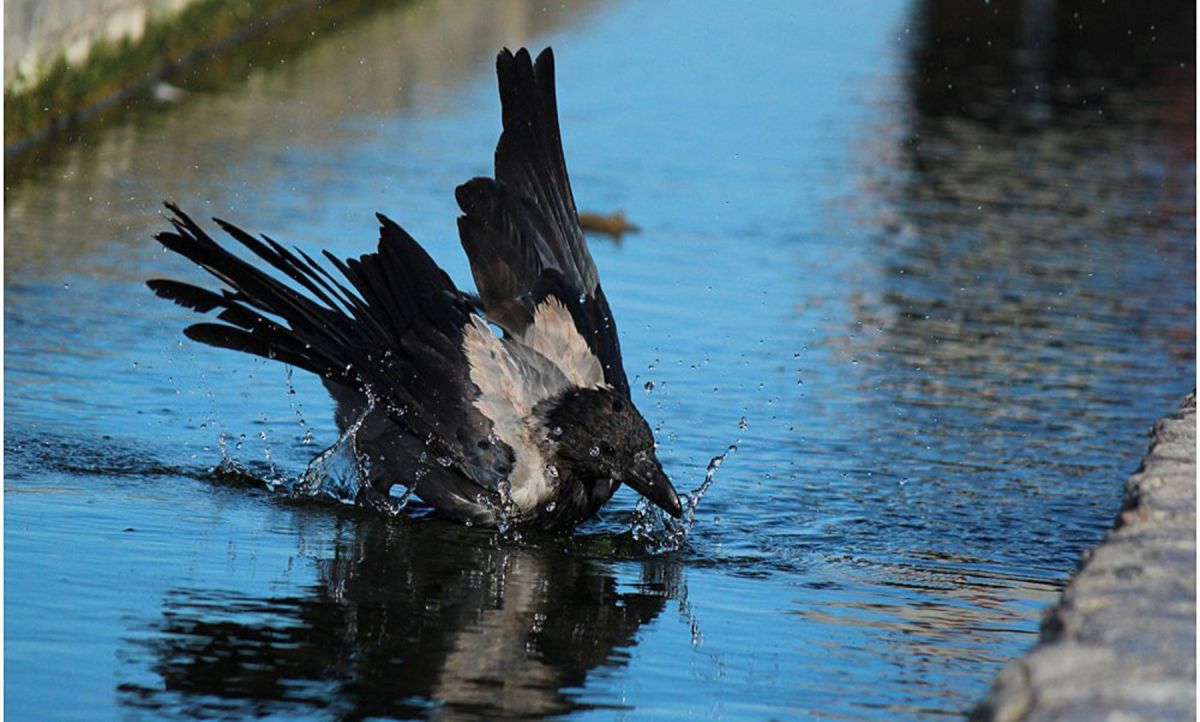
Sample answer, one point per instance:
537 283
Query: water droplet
649 386
550 506
743 424
594 451
445 460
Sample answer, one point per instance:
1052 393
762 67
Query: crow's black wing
391 328
521 230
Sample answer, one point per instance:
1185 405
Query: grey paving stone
1120 645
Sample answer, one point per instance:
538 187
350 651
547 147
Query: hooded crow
530 424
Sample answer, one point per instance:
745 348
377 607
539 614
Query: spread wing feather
392 331
521 230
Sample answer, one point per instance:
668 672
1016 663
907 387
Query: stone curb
1120 645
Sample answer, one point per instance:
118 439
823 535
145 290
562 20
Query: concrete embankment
1121 643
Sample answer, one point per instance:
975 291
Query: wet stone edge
1121 642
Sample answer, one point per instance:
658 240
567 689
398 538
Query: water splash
694 497
230 469
298 410
338 472
662 534
504 510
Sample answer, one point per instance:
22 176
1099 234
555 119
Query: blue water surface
936 323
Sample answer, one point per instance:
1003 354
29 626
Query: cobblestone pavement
1121 642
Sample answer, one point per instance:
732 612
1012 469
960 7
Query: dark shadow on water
1029 65
408 617
1045 169
408 620
1030 305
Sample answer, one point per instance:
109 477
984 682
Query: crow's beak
648 479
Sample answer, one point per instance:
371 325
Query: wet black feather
198 299
393 331
521 230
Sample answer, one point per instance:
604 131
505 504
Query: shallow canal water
936 295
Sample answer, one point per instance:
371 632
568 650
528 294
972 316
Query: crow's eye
606 448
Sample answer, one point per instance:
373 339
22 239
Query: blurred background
930 265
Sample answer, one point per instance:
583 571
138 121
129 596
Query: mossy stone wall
66 60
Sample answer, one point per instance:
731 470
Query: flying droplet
594 451
743 424
649 386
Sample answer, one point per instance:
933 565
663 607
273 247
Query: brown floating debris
611 224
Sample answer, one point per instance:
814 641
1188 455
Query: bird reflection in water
405 620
